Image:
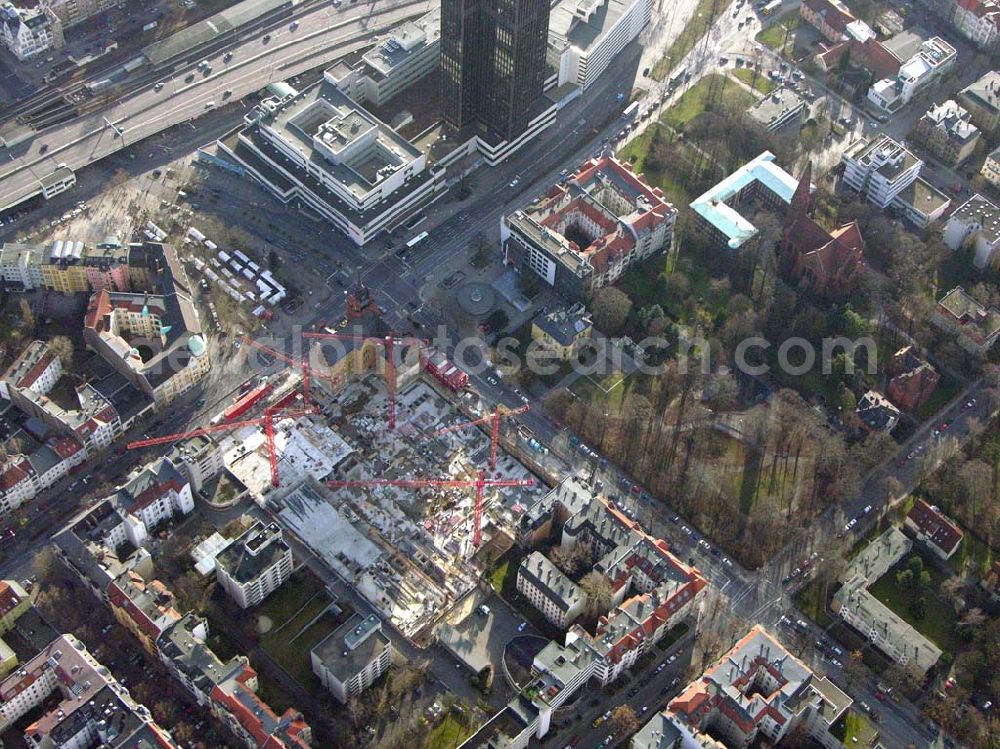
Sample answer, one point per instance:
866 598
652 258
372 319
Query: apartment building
934 58
946 130
589 229
158 492
352 657
89 706
254 565
991 168
558 598
975 223
72 12
830 17
146 609
77 411
881 625
22 476
70 266
29 32
653 592
756 691
978 21
141 318
914 380
228 689
876 412
199 459
982 100
153 339
323 148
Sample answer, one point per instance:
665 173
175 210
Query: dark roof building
936 530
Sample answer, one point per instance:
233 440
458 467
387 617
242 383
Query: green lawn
775 35
761 84
499 576
291 646
693 31
635 152
291 610
939 624
854 729
449 734
609 391
973 554
947 389
698 98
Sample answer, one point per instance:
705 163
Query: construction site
388 470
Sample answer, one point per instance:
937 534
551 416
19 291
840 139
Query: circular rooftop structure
476 299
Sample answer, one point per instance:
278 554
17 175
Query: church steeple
801 198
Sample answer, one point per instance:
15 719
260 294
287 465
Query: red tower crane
494 417
302 364
389 342
480 482
267 421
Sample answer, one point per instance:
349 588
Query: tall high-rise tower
492 64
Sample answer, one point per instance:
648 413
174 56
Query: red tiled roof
9 598
17 471
153 493
942 532
36 371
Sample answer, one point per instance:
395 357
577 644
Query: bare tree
624 720
599 593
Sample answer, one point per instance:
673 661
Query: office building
323 148
254 565
398 60
493 67
352 657
760 181
589 229
586 35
